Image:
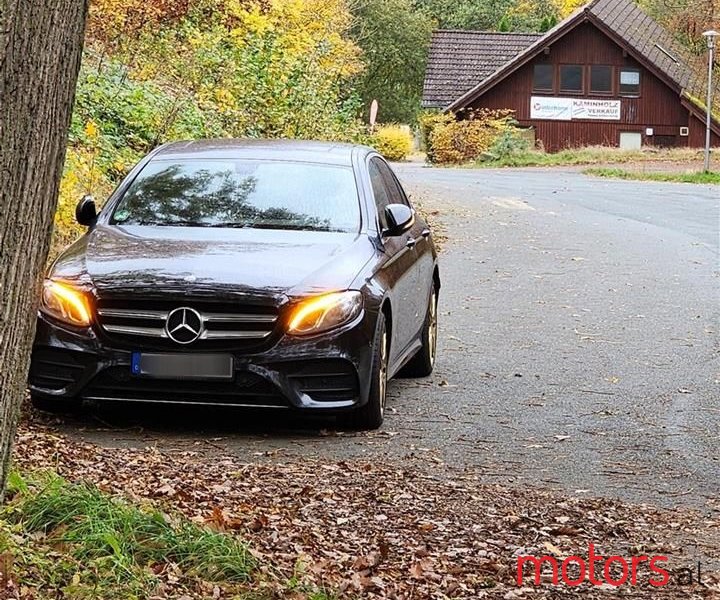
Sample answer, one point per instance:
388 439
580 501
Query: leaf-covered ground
386 530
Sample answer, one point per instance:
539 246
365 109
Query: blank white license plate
183 366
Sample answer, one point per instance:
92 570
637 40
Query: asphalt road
579 346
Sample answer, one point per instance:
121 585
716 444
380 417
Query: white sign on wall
554 109
603 110
629 77
567 109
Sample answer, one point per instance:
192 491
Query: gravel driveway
579 346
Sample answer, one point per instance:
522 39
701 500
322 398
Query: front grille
248 389
325 380
56 369
143 321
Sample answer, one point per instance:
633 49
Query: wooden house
607 75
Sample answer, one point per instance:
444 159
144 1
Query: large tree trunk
40 50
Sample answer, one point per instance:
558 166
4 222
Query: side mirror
399 219
85 211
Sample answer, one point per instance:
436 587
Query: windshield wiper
184 224
286 227
161 223
229 225
236 225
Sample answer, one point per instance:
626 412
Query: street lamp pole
710 37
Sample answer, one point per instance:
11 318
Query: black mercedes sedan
268 274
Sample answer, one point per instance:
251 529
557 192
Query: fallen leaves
552 549
376 531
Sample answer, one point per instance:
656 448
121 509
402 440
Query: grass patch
60 539
694 177
74 538
590 156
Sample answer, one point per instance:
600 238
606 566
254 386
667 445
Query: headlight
325 312
65 303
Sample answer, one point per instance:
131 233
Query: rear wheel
370 415
423 363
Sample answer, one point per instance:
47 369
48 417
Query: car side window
378 181
396 194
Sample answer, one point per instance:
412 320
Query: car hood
184 259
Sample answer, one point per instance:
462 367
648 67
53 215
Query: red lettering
592 557
537 562
566 578
665 575
630 568
636 560
608 565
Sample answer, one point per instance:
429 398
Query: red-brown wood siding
658 107
696 138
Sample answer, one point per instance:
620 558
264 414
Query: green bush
129 116
394 142
508 144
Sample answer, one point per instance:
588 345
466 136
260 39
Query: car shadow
192 420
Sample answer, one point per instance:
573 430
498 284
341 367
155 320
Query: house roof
646 37
458 60
622 20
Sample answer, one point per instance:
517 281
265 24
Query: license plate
183 366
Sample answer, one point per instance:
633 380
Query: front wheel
370 415
423 363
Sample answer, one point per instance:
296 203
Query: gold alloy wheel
432 327
382 371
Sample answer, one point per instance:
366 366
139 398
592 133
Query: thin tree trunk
40 50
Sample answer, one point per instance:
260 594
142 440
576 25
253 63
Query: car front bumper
329 372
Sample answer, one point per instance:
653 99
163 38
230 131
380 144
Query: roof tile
459 60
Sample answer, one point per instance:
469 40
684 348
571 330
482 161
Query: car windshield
241 193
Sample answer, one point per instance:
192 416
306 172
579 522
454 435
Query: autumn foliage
394 142
457 141
115 24
161 70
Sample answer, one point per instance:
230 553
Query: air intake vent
325 380
52 369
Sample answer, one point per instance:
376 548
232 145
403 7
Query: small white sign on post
373 113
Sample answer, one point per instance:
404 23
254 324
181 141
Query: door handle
425 233
411 243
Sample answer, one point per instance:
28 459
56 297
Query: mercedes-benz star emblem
184 325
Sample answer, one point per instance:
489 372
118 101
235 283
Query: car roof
329 153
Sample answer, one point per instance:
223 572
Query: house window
629 82
543 78
571 79
601 79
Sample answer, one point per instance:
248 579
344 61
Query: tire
55 405
370 416
423 363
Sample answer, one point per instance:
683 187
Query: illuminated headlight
323 313
65 303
